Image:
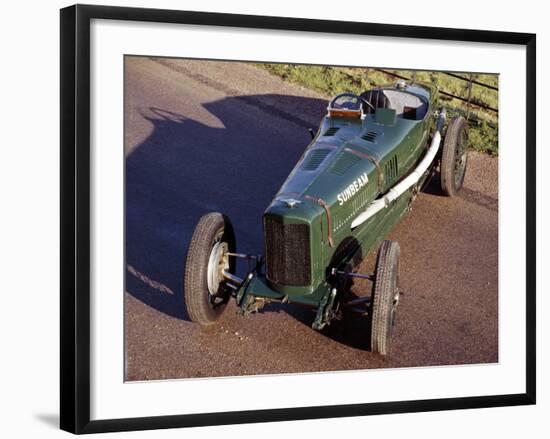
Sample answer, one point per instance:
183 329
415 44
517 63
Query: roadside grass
483 124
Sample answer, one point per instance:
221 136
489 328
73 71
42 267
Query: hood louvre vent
314 159
344 163
370 136
331 131
391 170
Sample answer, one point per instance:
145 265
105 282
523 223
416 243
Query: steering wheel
369 104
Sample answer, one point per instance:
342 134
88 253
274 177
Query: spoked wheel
206 293
385 297
454 157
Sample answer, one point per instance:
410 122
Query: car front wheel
385 297
206 293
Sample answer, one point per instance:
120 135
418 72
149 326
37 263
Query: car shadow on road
185 169
352 330
433 187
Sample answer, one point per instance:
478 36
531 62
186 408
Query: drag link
243 256
335 272
358 301
232 277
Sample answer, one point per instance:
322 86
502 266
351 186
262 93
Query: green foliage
483 124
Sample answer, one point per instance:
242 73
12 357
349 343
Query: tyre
385 297
454 156
205 291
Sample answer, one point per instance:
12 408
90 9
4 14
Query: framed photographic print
302 218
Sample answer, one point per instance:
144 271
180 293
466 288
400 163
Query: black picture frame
75 217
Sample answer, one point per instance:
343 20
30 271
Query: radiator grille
287 253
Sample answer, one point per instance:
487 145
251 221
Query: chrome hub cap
217 263
394 308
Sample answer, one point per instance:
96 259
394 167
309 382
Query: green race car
369 158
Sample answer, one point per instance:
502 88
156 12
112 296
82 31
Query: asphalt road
203 136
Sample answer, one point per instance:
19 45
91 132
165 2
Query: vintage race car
370 157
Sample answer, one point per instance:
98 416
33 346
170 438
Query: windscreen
346 101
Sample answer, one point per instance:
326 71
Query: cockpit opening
406 105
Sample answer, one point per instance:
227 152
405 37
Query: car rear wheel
385 297
454 156
206 293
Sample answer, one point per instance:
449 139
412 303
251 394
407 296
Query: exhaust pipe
404 185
